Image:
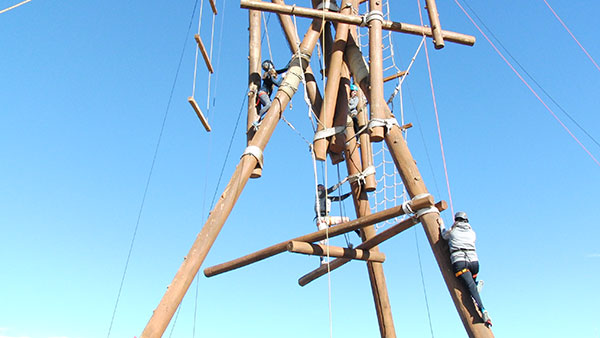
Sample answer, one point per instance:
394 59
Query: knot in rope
387 123
362 176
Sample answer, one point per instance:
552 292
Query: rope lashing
407 207
328 5
329 132
387 123
362 176
256 152
372 15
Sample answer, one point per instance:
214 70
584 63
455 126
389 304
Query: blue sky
85 86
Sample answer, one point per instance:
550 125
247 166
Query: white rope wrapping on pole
328 132
256 152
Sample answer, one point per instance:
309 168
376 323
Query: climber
269 79
461 240
353 106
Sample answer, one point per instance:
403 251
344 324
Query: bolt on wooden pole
207 236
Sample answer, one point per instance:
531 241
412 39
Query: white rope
212 38
267 34
197 47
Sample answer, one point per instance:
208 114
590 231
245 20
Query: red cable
573 36
527 84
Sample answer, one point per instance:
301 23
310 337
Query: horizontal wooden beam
356 20
366 245
199 113
204 53
337 230
395 76
335 251
213 6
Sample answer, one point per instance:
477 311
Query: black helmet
461 215
267 64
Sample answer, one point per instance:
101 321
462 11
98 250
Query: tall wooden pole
361 204
254 77
414 185
375 20
436 27
207 236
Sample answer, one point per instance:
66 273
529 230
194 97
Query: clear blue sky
85 86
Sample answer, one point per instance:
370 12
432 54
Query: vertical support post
374 21
254 77
366 148
376 275
189 268
436 27
334 73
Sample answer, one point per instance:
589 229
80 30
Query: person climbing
323 207
269 79
461 240
353 106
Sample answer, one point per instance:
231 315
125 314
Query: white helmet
461 215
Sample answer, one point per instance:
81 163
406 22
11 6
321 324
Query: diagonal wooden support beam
334 251
337 230
367 245
401 27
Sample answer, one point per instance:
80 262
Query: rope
531 77
162 128
423 282
573 36
267 35
527 85
15 6
196 57
212 37
175 321
437 119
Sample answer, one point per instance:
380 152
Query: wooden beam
334 251
337 230
213 6
254 78
201 116
459 38
376 69
204 53
367 245
395 76
436 27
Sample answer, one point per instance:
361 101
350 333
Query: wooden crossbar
204 53
199 113
213 6
335 251
366 245
395 76
337 230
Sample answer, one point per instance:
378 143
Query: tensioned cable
437 119
527 84
175 320
212 39
529 75
14 6
162 128
423 282
573 36
267 35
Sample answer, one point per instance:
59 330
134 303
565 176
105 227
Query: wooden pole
337 230
436 27
366 148
254 78
375 21
414 185
367 245
289 30
335 251
340 118
459 38
334 73
205 239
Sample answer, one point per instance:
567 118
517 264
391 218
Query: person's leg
266 103
463 272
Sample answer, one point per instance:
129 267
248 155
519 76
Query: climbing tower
339 137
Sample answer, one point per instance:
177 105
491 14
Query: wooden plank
204 53
334 251
213 6
199 113
395 76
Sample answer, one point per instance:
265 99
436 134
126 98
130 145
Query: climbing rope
197 50
141 208
14 6
528 85
267 35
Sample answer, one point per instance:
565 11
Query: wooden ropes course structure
344 64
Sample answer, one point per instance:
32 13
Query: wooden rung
204 53
213 6
199 113
395 76
406 126
335 251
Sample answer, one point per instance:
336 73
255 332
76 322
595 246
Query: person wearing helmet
269 79
353 105
323 207
461 241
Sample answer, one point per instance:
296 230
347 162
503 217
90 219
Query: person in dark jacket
461 240
270 79
323 207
